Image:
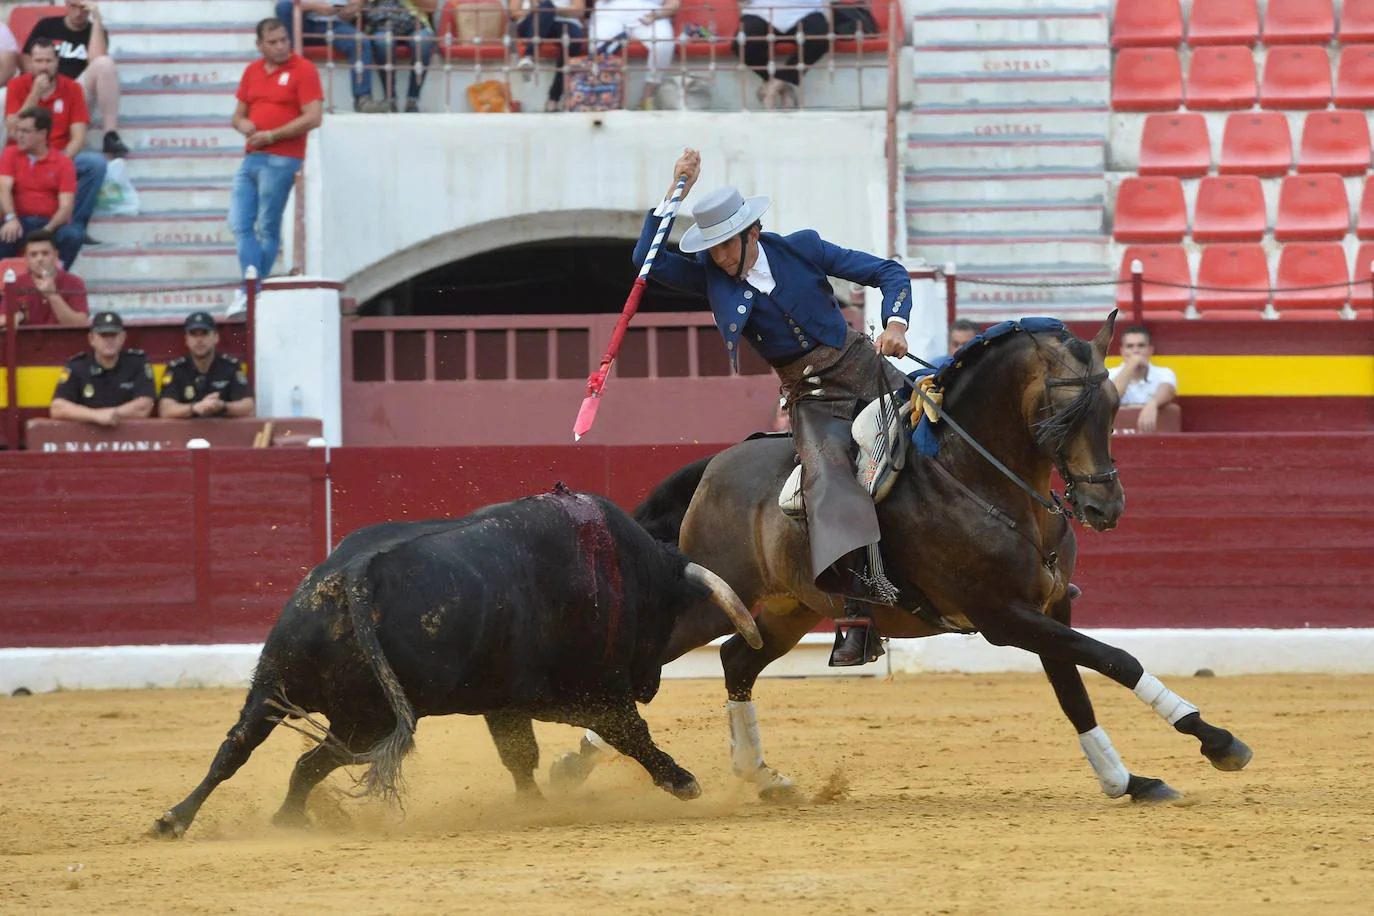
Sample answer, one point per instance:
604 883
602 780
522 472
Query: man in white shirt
783 19
1139 383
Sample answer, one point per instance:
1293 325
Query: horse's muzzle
1100 514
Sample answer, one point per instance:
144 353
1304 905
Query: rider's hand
892 342
689 164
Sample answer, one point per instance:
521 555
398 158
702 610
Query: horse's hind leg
1028 629
1112 774
254 725
514 737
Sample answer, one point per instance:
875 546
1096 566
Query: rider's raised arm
674 269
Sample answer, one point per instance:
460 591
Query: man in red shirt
45 293
62 97
37 188
279 101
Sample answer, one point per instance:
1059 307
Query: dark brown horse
969 546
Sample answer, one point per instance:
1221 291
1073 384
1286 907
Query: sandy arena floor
937 794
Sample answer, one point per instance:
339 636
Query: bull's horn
725 598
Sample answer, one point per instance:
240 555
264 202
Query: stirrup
872 642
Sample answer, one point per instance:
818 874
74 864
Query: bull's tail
663 510
383 775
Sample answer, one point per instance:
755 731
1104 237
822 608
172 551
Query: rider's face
727 254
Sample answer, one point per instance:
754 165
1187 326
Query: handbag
489 96
399 17
596 82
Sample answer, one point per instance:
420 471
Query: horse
969 538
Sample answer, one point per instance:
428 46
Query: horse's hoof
1149 790
781 795
168 827
293 820
1231 758
686 790
774 788
569 771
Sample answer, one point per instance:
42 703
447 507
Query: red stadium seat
1296 22
1256 143
1362 277
1335 141
24 18
1223 22
1150 210
1364 222
1355 77
1296 77
1147 24
1306 265
1147 79
1230 208
1357 22
1312 208
1175 144
1220 79
1166 263
1232 277
718 16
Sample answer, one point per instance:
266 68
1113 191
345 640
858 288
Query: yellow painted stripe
1271 376
37 383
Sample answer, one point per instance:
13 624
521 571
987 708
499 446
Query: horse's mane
1060 423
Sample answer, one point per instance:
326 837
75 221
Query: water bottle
297 402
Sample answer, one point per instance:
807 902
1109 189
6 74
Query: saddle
879 432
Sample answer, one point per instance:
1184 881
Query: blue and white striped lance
663 225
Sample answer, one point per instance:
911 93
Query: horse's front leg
781 632
1112 774
1054 641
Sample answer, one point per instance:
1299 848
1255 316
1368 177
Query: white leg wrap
1105 761
746 748
599 743
1170 706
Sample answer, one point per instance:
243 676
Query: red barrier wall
99 549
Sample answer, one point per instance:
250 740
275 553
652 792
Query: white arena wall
426 190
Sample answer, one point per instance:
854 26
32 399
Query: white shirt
7 42
783 15
1140 391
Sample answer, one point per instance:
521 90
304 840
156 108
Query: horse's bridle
1060 464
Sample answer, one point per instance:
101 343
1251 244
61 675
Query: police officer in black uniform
205 382
107 383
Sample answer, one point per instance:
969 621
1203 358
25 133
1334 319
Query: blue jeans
383 51
348 41
67 236
90 175
255 208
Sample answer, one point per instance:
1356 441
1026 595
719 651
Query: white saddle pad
874 468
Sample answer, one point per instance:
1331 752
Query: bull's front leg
623 728
514 737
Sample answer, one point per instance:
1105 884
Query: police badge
190 392
88 391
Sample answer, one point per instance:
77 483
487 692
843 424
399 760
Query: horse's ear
1103 341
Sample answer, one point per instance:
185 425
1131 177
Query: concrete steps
171 300
152 265
183 164
193 194
121 14
177 133
168 227
1009 216
196 101
181 71
198 38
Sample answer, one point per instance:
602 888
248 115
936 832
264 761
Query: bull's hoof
569 771
168 827
1148 790
685 789
1234 756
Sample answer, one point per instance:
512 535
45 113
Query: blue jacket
800 264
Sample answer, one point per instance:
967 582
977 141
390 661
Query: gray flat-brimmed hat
721 215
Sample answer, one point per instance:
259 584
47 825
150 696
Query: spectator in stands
107 384
960 333
45 87
615 21
783 19
550 23
332 23
83 50
395 24
37 188
1139 382
9 55
204 383
45 293
279 102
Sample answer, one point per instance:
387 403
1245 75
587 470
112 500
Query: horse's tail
663 510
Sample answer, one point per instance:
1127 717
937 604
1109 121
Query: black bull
556 607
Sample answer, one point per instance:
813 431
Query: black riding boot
857 641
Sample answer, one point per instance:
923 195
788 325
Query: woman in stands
544 23
649 22
395 24
805 22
